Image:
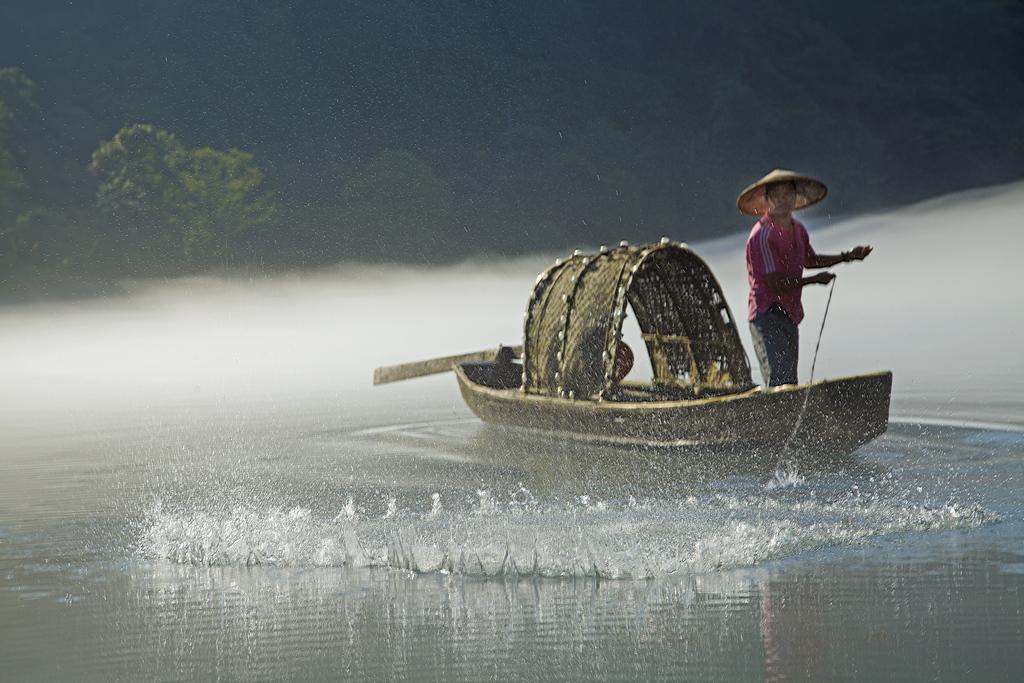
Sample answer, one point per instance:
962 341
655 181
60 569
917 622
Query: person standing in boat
778 250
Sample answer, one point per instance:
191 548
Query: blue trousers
777 345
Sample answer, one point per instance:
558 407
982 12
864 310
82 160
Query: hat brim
752 200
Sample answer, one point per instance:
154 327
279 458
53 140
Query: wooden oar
433 366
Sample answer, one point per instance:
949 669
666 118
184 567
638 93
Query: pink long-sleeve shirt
774 249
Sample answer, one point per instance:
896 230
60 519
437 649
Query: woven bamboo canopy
576 310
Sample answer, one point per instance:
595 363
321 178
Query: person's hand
859 253
822 278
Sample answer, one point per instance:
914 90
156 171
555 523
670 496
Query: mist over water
204 449
938 302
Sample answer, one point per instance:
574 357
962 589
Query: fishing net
574 324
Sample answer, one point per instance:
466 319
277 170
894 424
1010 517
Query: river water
197 481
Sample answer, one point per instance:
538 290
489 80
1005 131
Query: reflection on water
841 618
314 546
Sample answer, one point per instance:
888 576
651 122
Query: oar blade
433 366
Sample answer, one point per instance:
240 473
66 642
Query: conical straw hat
808 191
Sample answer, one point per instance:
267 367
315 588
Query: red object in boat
623 361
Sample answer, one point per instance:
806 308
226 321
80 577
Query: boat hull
829 418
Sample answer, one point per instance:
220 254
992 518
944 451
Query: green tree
225 200
140 188
171 202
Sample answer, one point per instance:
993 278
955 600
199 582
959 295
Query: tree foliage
169 202
140 185
223 201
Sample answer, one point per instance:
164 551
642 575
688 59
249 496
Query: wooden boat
700 395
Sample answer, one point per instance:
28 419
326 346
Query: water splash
787 476
520 536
